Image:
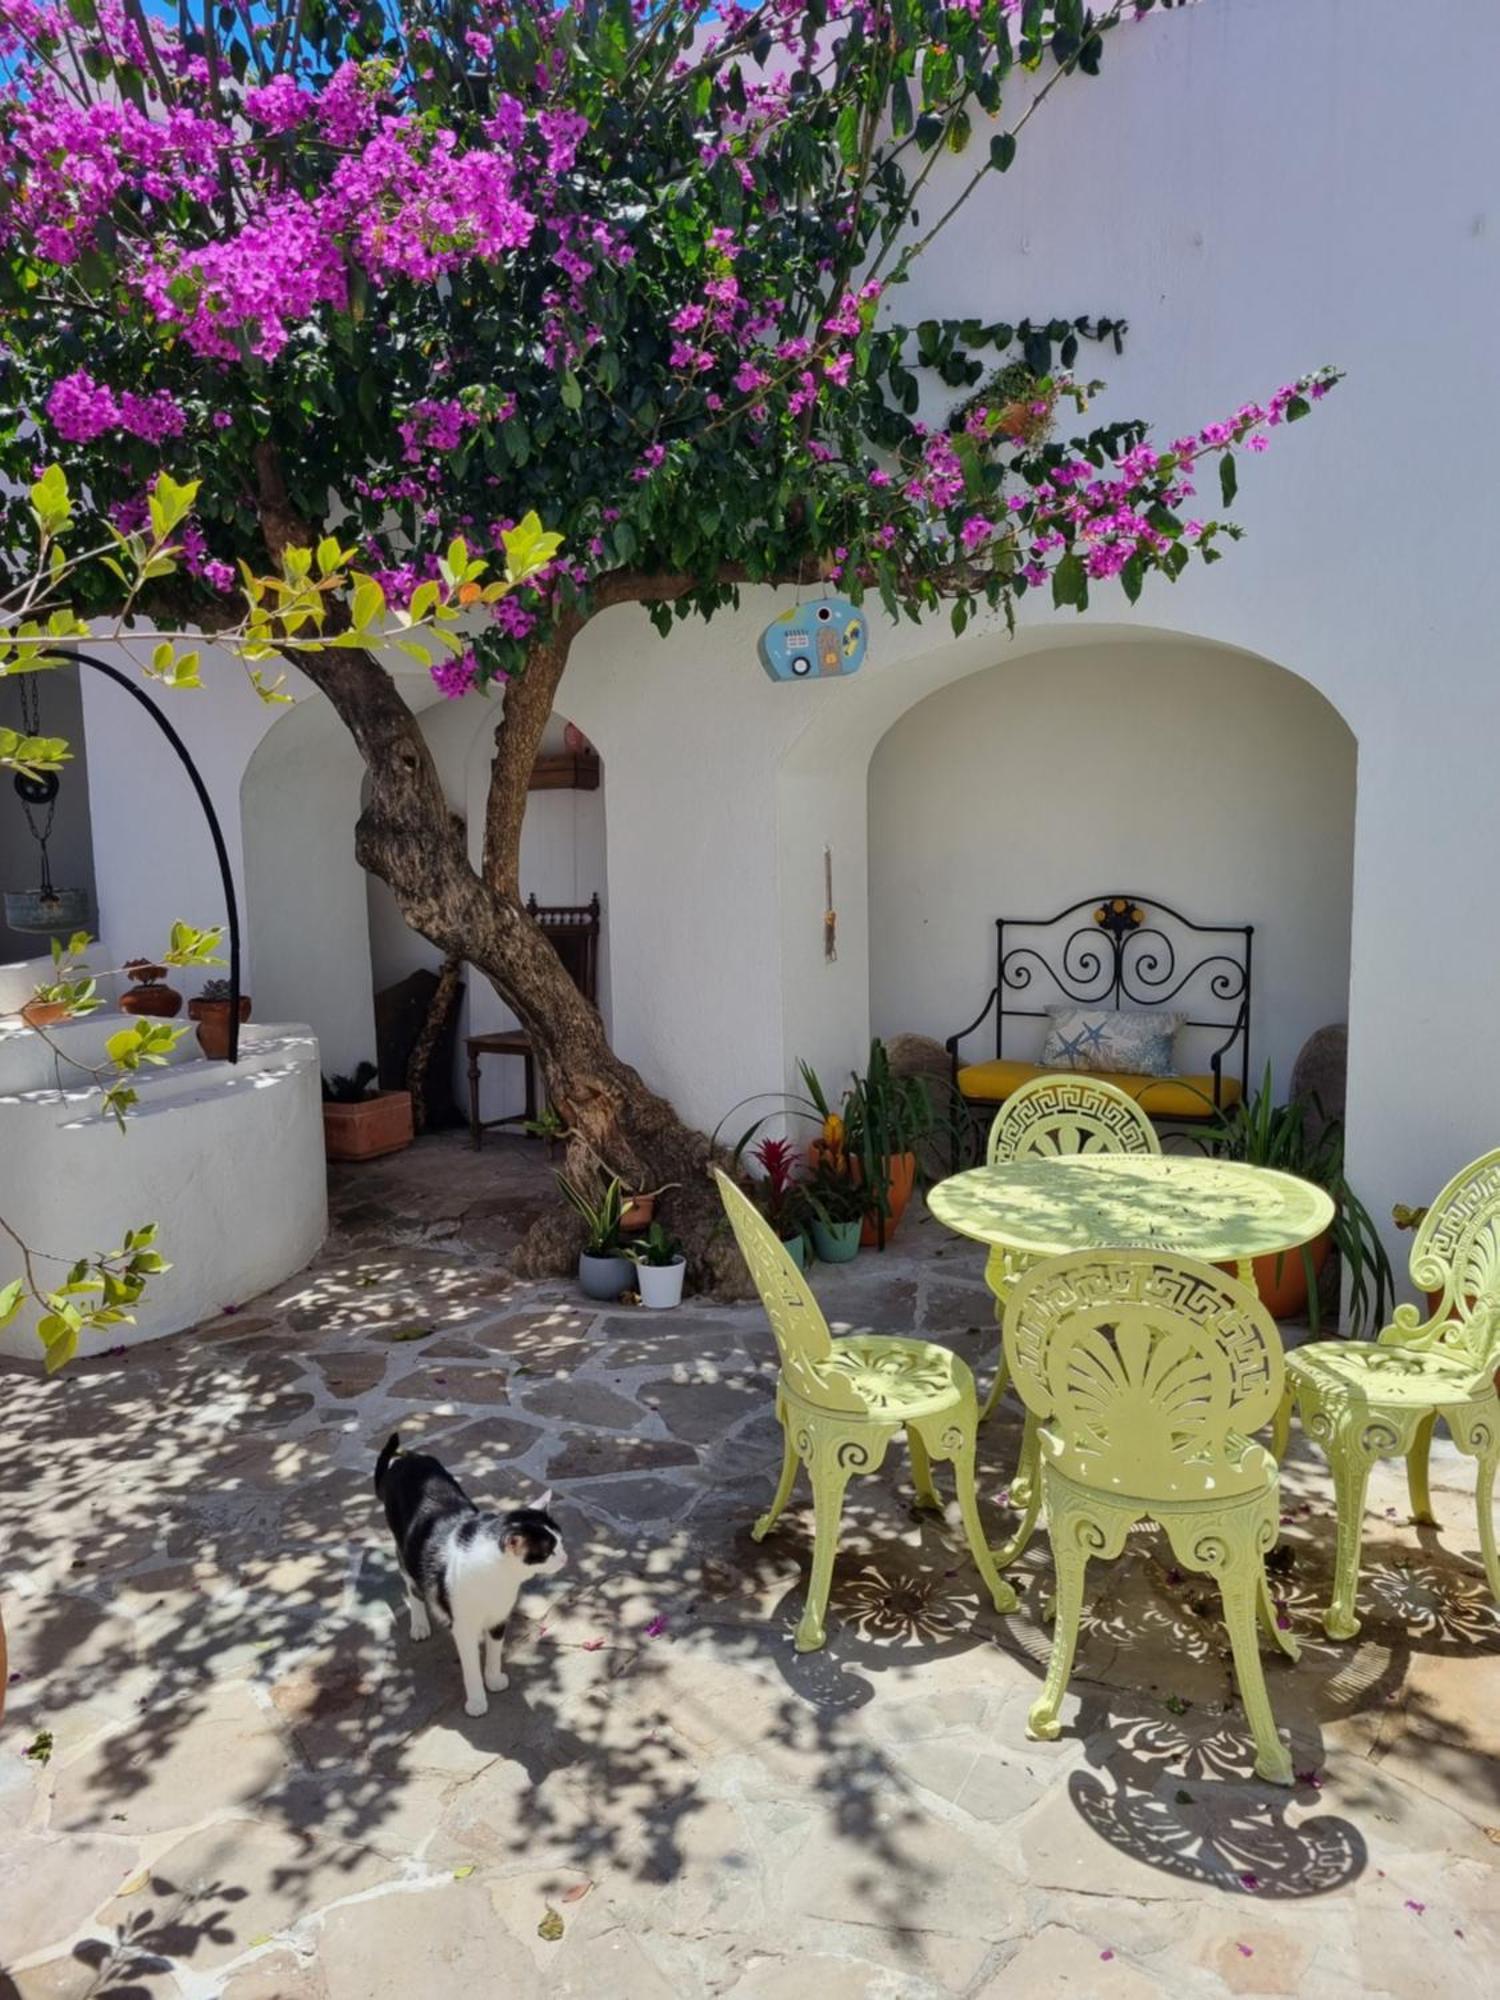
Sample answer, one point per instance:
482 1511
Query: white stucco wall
1219 784
1258 186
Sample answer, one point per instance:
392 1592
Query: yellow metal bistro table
1221 1211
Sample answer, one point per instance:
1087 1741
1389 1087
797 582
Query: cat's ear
516 1546
545 1502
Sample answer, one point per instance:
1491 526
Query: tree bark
405 835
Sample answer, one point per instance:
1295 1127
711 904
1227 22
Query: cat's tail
388 1451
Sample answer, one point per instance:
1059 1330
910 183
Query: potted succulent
147 994
364 1124
659 1267
836 1204
604 1270
210 1009
1263 1133
886 1117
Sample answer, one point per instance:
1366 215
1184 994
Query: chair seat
1158 1096
898 1379
503 1042
1246 1470
1357 1370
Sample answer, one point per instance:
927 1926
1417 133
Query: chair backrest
802 1336
1068 1114
1457 1254
1150 1369
572 930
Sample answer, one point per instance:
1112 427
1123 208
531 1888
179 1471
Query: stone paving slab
259 1788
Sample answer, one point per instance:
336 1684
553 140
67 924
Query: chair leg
1239 1588
1281 1430
1485 1496
1002 1596
1351 1478
1267 1610
1416 1474
829 1478
997 1388
476 1130
921 1471
1072 1570
1025 1493
784 1487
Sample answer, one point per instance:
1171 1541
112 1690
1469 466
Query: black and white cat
463 1567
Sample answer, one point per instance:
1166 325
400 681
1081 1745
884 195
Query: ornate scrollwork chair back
1145 1374
1456 1255
1151 1371
840 1402
1055 1115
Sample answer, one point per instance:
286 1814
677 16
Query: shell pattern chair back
1456 1255
1146 1373
1054 1115
1360 1401
841 1402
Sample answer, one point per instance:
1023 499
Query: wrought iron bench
1116 952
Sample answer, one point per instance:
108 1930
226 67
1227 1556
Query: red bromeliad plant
394 273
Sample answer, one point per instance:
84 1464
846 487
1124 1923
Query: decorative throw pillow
1135 1041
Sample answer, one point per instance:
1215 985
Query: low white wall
227 1161
1212 780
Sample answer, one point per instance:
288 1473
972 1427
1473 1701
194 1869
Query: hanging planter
57 912
147 994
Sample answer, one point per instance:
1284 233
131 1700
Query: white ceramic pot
661 1284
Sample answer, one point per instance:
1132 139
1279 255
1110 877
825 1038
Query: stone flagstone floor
226 1771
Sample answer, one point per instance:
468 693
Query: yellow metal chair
1364 1400
841 1402
1046 1118
1146 1374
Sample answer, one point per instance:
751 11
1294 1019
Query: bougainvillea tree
382 274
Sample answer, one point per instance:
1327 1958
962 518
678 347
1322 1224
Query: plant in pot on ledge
364 1124
659 1267
604 1270
1263 1133
210 1009
886 1118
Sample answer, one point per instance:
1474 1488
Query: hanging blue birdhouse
815 641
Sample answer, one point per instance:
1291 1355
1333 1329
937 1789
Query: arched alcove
306 914
1206 778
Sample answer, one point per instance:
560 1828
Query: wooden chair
573 932
840 1402
1045 1119
1146 1374
1363 1400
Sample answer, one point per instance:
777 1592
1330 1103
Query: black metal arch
136 692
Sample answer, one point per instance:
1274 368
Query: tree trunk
405 836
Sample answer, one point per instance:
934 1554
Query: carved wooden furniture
573 932
1147 1374
1116 952
841 1402
1366 1400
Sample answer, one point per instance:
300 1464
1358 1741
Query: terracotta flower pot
369 1129
149 995
1283 1290
212 1017
636 1214
901 1179
42 1013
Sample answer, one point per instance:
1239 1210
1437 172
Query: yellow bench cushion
1158 1096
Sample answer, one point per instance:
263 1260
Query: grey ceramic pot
604 1277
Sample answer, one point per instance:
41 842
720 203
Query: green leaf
1229 479
1002 151
11 1296
571 391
